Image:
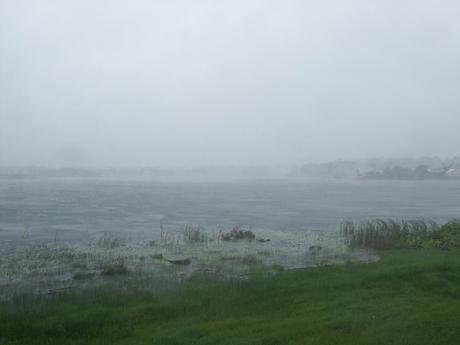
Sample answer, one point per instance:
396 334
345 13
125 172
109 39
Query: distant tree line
421 172
385 168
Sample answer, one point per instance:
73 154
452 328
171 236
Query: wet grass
412 296
113 269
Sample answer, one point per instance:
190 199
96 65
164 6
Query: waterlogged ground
408 297
47 268
62 234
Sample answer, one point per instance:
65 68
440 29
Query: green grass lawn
409 297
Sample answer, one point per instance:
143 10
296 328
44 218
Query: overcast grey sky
187 83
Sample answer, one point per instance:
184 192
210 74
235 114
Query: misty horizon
181 84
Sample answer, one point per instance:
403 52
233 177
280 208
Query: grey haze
188 83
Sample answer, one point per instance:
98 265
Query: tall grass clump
110 241
194 234
385 234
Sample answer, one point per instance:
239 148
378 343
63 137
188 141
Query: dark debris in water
238 234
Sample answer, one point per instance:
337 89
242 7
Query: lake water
52 231
74 208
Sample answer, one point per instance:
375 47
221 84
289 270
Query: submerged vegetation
118 268
40 267
194 234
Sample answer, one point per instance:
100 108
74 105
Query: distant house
453 173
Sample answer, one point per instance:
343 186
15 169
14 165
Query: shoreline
409 296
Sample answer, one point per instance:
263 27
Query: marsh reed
385 233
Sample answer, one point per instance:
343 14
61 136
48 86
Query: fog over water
189 83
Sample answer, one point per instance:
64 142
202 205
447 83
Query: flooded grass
40 267
409 297
110 270
232 292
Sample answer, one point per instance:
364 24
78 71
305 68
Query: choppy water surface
76 207
53 232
